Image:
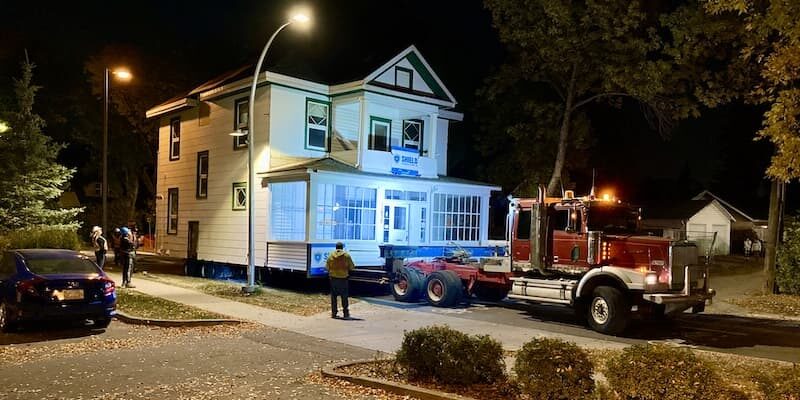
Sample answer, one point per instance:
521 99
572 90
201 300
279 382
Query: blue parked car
53 285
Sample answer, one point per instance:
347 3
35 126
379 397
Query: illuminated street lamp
122 75
300 18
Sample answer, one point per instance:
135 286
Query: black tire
609 311
698 308
490 293
409 285
102 323
7 322
443 289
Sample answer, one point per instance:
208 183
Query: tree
32 179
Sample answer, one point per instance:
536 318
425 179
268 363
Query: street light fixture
122 75
300 18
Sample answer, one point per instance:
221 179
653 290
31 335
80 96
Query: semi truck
583 252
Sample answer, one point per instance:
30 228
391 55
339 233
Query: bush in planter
450 356
661 372
554 369
782 385
42 238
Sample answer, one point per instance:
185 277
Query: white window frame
421 125
172 205
240 142
313 124
175 139
456 217
364 204
375 121
202 176
288 211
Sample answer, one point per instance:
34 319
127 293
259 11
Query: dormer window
241 120
403 77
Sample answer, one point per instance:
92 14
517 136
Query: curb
389 386
172 323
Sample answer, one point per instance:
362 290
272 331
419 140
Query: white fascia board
451 115
169 107
269 78
346 87
409 96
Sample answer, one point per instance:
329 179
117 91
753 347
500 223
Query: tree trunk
561 155
776 200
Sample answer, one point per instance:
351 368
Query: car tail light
108 286
28 286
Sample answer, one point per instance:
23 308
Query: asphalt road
723 332
135 362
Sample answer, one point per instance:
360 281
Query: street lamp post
124 75
251 266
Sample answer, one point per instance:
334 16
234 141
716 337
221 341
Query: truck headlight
651 279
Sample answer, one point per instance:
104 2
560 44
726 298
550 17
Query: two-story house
363 162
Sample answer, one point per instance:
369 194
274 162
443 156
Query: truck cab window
524 225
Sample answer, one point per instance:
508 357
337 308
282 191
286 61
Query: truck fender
625 278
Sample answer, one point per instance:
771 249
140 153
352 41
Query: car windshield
612 219
50 266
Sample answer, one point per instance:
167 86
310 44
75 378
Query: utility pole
777 199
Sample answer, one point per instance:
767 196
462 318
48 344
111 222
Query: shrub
781 385
450 356
45 238
788 273
660 372
554 369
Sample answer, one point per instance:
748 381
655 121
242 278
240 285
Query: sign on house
405 162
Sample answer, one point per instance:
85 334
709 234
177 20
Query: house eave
171 107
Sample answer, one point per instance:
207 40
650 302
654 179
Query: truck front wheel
609 311
443 288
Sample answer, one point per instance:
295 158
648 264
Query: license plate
72 294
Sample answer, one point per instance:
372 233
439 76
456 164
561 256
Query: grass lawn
138 304
780 304
299 303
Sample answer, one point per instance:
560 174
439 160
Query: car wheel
102 323
490 293
443 288
7 323
609 311
408 285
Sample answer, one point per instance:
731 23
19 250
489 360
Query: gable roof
359 69
683 210
738 215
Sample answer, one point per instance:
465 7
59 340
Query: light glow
606 197
122 74
4 127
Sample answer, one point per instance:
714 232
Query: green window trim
372 120
410 77
174 152
199 176
328 135
235 206
240 142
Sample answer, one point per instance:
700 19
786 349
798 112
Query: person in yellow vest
339 265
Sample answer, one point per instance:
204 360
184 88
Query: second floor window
380 134
202 174
412 134
241 122
317 124
175 139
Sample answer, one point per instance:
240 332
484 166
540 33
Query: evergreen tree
31 180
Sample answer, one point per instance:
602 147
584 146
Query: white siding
710 219
288 125
292 256
441 138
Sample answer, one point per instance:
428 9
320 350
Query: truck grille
682 254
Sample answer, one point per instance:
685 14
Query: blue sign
319 255
405 161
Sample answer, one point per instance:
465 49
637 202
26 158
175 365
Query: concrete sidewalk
377 327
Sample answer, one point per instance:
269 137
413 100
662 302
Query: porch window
175 139
172 211
317 124
345 212
241 122
456 218
288 211
239 196
202 175
380 133
412 134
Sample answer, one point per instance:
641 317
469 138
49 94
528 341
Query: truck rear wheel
490 293
408 286
609 311
443 288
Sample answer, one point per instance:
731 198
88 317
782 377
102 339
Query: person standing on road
126 251
747 247
757 248
100 246
339 265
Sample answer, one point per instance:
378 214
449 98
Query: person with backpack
100 246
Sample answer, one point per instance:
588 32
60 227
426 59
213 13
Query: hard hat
124 231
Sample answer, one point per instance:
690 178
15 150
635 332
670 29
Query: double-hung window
172 211
175 139
412 134
317 124
202 175
241 122
380 132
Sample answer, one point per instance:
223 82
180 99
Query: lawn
138 304
299 303
779 304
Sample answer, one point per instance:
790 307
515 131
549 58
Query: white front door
418 224
398 224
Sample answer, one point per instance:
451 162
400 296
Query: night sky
196 40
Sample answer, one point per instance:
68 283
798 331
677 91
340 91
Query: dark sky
201 38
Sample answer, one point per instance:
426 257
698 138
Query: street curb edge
389 386
171 323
